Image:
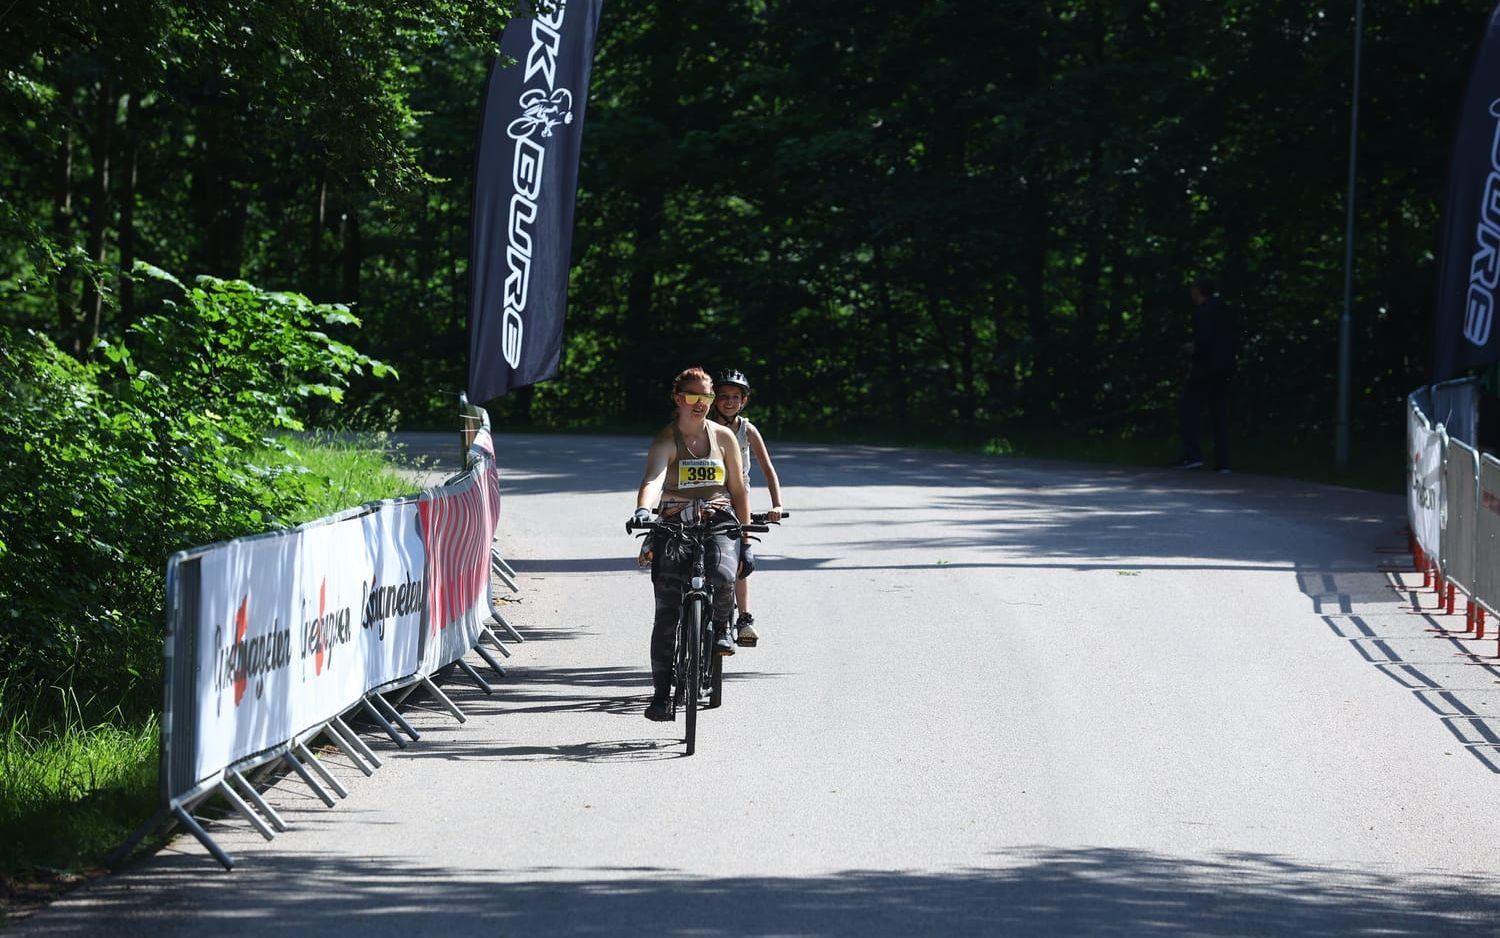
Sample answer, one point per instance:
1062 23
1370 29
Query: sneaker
723 644
747 636
1186 463
658 711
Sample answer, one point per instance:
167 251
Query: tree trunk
895 362
220 208
106 105
127 208
352 251
315 243
1034 270
62 220
638 292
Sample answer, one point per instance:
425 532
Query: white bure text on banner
458 526
295 628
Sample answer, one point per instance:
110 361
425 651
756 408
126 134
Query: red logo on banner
322 605
240 625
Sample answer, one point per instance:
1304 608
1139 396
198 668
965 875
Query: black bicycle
695 681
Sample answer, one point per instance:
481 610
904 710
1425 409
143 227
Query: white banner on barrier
1427 479
296 628
394 603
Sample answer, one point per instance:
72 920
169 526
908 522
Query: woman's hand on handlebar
641 519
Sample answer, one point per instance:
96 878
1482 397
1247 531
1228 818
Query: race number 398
699 473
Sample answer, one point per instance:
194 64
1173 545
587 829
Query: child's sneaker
747 636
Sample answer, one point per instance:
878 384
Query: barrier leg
323 772
365 752
442 698
506 625
194 828
331 733
312 783
397 718
1426 569
118 855
258 801
489 659
505 578
1479 623
1449 609
245 811
486 633
1468 616
384 724
483 685
500 561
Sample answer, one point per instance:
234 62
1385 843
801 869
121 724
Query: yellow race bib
699 473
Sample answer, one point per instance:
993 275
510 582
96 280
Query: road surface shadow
1440 649
1030 891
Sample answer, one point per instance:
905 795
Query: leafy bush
166 442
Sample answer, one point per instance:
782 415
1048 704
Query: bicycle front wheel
693 631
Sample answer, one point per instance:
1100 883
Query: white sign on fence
1426 482
294 628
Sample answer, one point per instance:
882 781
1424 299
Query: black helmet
735 378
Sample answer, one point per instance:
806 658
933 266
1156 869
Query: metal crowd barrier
182 790
1487 539
1454 513
1460 497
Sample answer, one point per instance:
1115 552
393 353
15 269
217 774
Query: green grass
338 472
77 778
72 788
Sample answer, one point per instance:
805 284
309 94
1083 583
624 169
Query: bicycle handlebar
725 527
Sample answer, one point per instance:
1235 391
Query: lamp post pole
1346 321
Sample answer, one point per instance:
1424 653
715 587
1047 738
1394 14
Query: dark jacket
1215 338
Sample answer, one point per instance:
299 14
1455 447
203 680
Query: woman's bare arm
657 457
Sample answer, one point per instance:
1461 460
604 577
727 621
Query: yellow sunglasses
697 398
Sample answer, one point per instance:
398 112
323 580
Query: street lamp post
1346 321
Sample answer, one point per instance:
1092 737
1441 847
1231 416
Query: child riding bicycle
731 397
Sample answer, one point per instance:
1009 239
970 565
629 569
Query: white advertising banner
1427 480
295 628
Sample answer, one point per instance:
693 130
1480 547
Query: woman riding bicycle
692 466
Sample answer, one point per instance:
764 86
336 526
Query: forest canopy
891 215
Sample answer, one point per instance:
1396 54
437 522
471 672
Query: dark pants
670 572
1209 391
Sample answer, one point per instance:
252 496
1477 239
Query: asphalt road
993 696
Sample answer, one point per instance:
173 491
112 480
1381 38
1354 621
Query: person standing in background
1214 345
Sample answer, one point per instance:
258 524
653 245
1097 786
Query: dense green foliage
978 216
949 212
76 775
110 466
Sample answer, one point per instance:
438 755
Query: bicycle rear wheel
693 631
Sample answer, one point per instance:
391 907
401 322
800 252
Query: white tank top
743 435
